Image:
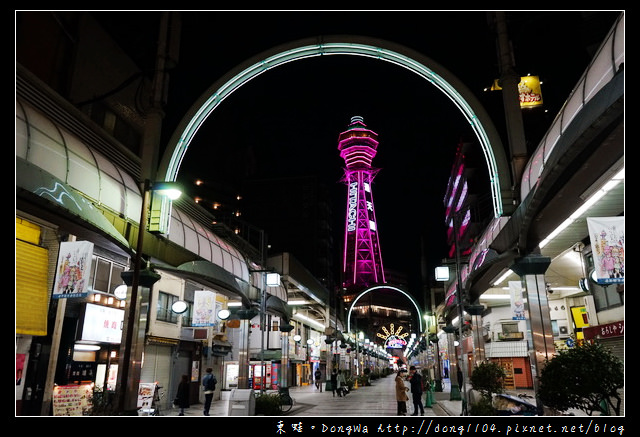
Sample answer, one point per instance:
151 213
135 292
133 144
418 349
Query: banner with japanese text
73 269
204 308
517 301
607 245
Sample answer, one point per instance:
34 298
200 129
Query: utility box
242 402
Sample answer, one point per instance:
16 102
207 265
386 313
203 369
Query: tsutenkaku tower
362 262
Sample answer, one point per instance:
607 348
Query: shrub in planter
268 404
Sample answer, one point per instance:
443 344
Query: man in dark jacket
209 386
415 379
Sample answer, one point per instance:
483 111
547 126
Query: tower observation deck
362 261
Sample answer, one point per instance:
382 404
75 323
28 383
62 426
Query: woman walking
334 382
341 384
401 393
182 395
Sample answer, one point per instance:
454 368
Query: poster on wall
204 308
607 243
73 268
517 301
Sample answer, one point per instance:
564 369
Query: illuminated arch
384 287
413 61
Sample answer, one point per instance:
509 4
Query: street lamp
459 289
136 278
272 279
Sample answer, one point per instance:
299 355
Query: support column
135 326
541 347
284 360
476 332
454 394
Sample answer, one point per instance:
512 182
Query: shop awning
277 306
211 275
52 193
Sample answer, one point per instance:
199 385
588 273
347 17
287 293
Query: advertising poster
72 272
204 308
72 400
607 243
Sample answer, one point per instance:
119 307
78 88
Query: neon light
362 248
353 49
385 287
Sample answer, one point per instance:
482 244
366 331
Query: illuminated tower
362 262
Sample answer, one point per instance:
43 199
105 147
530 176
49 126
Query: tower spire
362 261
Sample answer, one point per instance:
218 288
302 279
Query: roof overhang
39 188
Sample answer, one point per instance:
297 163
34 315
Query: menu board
72 400
146 390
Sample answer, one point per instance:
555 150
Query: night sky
287 121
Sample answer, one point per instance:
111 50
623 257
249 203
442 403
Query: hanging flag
517 301
607 243
204 308
72 271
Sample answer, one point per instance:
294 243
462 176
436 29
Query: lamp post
461 361
272 279
131 360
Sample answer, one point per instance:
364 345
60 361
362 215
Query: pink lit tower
362 262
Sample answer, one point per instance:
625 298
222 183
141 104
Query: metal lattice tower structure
362 261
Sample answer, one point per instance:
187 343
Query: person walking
341 383
334 382
209 385
182 395
318 378
415 379
401 392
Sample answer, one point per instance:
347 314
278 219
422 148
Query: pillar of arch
429 70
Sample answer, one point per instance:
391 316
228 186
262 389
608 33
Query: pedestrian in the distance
209 386
401 392
182 395
318 377
342 384
415 379
334 382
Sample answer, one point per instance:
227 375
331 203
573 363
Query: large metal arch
486 133
384 287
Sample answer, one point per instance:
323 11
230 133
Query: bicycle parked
286 401
158 395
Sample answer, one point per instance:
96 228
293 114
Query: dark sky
287 121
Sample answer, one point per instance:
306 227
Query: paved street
378 399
